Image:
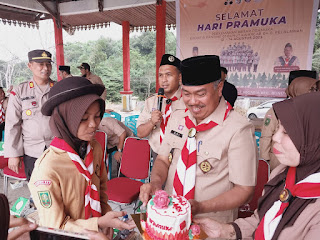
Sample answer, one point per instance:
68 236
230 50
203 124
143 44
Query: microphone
160 98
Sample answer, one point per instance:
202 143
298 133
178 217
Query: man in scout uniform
27 131
117 133
152 122
209 152
229 91
64 71
85 72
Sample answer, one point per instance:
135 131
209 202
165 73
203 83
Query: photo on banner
258 41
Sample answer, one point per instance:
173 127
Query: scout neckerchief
166 117
2 113
185 176
92 197
307 188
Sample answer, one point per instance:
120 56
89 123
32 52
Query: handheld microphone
160 98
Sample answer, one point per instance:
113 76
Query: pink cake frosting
168 217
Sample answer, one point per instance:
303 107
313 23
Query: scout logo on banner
258 41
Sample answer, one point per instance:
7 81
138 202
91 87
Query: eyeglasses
313 89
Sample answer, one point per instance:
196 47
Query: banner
258 41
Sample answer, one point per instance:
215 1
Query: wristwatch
119 150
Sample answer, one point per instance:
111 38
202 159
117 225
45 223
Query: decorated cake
169 218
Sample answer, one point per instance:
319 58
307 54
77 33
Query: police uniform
226 155
97 80
114 128
27 131
149 106
56 192
269 128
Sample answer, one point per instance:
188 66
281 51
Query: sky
16 42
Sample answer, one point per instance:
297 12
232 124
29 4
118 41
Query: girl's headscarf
300 85
66 117
300 118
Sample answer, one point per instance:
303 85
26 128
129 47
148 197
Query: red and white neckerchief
166 116
92 197
286 61
307 188
2 112
185 177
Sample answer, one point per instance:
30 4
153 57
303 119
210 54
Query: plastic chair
8 173
101 137
113 115
131 122
135 163
262 178
258 136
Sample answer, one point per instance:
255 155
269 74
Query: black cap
64 68
168 59
69 88
301 73
84 66
39 55
200 70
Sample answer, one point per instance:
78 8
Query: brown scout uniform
27 130
114 128
269 128
226 155
149 106
97 80
306 226
58 190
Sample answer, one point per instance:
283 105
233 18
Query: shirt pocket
29 109
209 159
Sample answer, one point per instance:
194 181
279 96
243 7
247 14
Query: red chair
8 173
3 162
135 165
101 137
262 178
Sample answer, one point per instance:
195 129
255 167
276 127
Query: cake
169 218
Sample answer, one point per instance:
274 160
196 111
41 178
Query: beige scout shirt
114 128
227 155
269 128
306 226
149 106
56 177
27 130
97 80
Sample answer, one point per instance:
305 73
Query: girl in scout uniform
68 183
290 206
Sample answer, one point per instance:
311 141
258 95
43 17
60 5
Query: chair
8 173
101 137
262 178
135 165
258 136
113 114
131 122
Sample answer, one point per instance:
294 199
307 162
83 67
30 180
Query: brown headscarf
299 86
300 118
5 216
66 117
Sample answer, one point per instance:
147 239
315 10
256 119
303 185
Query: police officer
27 131
149 122
216 169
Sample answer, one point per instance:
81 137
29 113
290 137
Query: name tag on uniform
176 133
27 98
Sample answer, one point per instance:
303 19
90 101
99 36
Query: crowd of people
201 147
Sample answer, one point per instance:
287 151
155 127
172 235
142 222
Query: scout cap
68 89
64 68
200 70
168 59
84 66
301 73
39 56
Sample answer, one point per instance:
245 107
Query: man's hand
146 190
14 164
195 207
23 225
117 156
156 117
111 219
